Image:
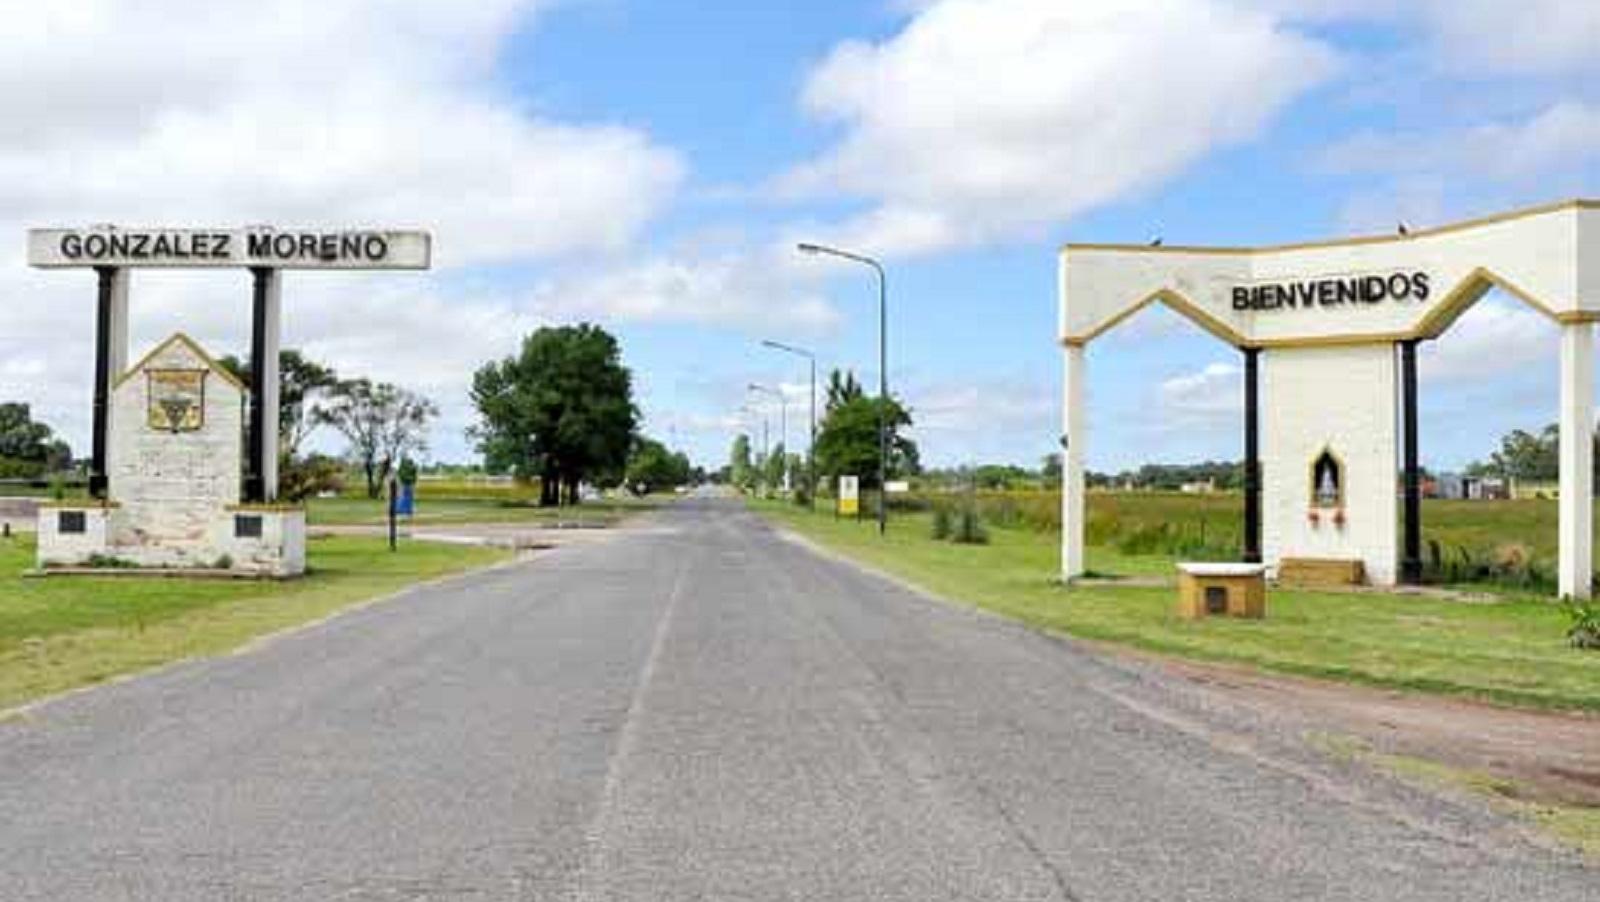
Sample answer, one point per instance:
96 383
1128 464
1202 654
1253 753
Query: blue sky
647 165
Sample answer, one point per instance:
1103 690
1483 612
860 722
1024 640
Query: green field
437 511
59 633
1507 543
1510 649
455 502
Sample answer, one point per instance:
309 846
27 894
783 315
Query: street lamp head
809 248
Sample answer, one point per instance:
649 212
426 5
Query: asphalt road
699 709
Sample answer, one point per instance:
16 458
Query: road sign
849 496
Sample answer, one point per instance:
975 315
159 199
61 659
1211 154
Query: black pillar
98 481
1252 456
1411 557
255 481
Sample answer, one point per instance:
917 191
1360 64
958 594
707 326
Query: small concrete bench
1222 590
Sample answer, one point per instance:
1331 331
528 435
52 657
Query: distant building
1530 489
1486 488
1449 486
1205 487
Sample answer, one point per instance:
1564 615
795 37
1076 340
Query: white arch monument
1329 332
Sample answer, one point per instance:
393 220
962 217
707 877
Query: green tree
1529 456
772 468
309 475
842 389
382 422
561 410
302 384
1050 471
740 470
847 437
29 448
652 467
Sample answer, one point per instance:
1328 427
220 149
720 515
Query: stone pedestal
175 465
1222 590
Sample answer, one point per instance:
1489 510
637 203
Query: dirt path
1550 756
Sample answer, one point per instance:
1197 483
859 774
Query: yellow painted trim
1179 305
193 346
1331 341
1575 204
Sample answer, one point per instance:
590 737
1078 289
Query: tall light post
883 368
811 444
761 471
783 427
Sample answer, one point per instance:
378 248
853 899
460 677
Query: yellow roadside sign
849 496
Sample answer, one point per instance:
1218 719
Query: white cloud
1498 336
735 290
985 119
1006 418
1212 396
1476 36
1564 137
300 112
1529 36
307 112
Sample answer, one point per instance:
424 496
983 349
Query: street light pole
811 444
783 428
883 368
747 409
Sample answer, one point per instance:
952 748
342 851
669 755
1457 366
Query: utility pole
883 368
811 445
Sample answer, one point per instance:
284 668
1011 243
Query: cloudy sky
649 164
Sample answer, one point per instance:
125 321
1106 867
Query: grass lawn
59 633
1511 651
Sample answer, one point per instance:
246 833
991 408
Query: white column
117 359
1577 460
1074 419
273 334
119 323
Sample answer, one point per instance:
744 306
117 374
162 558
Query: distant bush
969 528
1585 630
942 523
1511 565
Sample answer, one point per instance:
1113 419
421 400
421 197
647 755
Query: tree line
560 412
846 444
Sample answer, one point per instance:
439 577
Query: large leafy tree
302 384
847 437
652 467
1528 456
27 447
382 422
560 411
